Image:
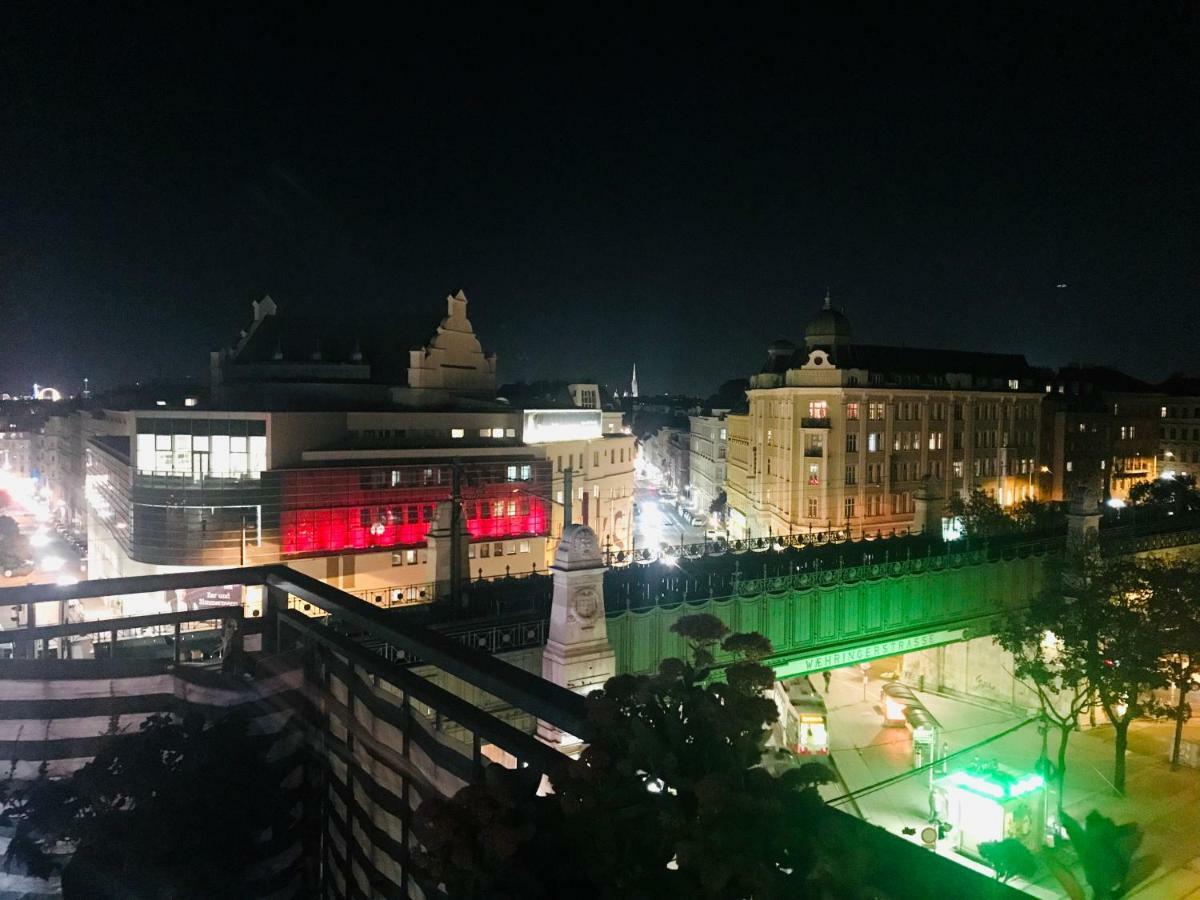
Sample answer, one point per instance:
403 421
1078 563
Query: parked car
20 569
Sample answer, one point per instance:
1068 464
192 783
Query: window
935 440
814 473
956 468
958 438
470 551
874 410
1102 463
512 473
851 410
558 466
595 459
622 454
852 442
849 508
410 557
512 548
524 547
485 551
818 409
498 548
873 442
1070 466
812 507
851 474
937 411
874 473
1013 384
457 433
510 432
485 432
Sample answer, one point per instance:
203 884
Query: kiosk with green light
989 802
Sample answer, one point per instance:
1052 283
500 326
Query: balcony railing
809 422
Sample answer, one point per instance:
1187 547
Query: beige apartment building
840 435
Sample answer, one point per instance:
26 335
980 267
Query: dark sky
607 188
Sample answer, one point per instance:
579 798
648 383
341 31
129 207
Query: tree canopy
1177 493
669 797
175 810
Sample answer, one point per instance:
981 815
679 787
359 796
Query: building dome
828 328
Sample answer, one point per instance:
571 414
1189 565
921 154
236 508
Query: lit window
1013 384
849 507
818 409
410 557
851 410
1164 412
812 507
872 442
1070 466
524 547
814 474
497 432
189 401
510 432
458 432
957 468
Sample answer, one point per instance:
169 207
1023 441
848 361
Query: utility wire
888 782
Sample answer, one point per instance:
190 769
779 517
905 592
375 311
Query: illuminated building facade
340 466
840 434
707 449
1179 427
1101 432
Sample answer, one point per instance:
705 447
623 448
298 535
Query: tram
807 728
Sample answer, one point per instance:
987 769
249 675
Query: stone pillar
928 504
1083 519
577 654
440 549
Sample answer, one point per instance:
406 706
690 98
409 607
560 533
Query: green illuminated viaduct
825 620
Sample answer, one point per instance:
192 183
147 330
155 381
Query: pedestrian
826 675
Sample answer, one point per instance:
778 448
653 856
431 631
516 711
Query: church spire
828 299
633 390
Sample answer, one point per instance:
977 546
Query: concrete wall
977 668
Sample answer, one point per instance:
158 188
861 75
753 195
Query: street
657 520
1165 803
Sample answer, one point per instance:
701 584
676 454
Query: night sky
607 188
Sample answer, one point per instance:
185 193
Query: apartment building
1179 426
841 435
707 450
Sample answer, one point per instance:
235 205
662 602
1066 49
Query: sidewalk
1164 803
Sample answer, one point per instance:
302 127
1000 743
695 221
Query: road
658 520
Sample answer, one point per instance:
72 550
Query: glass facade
325 510
198 449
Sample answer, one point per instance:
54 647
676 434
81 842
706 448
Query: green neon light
996 787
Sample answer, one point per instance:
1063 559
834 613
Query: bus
807 724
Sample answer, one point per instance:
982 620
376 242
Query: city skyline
1024 187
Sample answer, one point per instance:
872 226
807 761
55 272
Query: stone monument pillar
577 654
1083 518
440 549
928 504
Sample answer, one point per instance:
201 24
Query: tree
669 797
1175 616
981 515
14 546
1108 854
175 810
1177 493
1008 858
1097 612
1035 516
1058 678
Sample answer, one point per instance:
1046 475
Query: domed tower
830 328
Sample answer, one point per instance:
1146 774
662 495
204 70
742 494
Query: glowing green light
996 785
